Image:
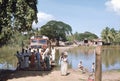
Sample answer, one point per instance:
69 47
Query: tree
16 15
104 35
117 39
112 35
88 35
109 35
56 30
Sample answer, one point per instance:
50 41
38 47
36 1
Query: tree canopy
85 35
56 30
16 15
110 35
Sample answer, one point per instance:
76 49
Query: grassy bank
7 58
9 50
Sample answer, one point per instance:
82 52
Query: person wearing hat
65 64
61 63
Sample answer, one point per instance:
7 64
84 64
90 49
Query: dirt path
74 75
111 76
47 76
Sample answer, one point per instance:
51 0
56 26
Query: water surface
110 58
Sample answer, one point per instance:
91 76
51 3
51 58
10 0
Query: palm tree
112 34
117 37
105 35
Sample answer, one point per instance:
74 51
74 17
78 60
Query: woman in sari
64 64
32 60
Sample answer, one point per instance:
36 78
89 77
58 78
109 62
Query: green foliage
7 54
110 35
56 30
20 38
85 35
25 14
16 15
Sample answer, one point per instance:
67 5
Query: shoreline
54 75
65 48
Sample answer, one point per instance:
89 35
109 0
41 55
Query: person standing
22 67
32 60
38 59
47 61
18 55
61 63
26 59
53 51
65 64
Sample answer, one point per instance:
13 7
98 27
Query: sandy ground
74 75
54 75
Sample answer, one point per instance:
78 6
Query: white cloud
113 5
42 19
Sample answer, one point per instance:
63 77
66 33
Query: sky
81 15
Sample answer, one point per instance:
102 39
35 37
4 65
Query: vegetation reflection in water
7 58
110 57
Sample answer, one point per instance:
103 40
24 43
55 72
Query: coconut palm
105 35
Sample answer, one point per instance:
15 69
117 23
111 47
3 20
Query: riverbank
65 48
54 75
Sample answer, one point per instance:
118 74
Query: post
98 69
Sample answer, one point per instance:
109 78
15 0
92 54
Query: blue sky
81 15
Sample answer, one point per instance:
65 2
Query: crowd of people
41 59
35 59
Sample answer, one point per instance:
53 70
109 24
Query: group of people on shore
35 59
83 69
64 66
41 59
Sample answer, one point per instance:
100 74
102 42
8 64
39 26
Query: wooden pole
98 69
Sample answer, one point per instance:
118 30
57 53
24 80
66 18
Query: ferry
39 41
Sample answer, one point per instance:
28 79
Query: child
93 67
80 66
91 78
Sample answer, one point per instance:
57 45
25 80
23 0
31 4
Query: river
110 58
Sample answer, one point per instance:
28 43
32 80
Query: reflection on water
110 58
7 58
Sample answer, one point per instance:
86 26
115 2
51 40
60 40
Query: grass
9 50
7 54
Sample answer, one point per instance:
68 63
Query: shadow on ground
9 74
